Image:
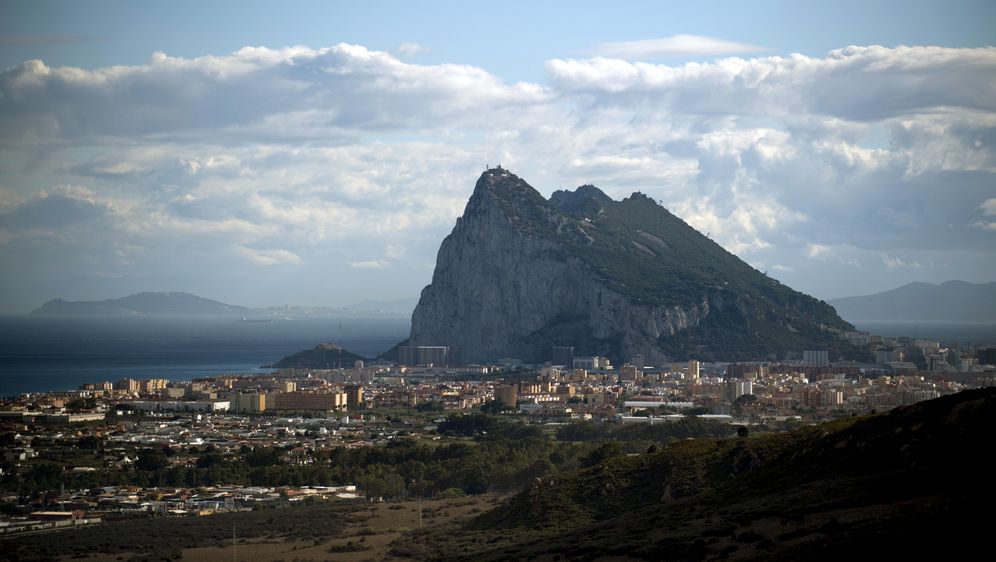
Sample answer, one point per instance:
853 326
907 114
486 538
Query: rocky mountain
322 356
142 304
951 301
520 273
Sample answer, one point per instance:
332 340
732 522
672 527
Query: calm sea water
44 354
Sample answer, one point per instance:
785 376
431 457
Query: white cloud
817 250
893 262
676 45
332 90
857 83
269 257
370 264
411 49
348 156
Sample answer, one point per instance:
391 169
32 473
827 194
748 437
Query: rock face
520 274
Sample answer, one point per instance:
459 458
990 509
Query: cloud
346 155
254 92
67 206
674 46
856 83
410 49
370 264
816 250
268 257
892 262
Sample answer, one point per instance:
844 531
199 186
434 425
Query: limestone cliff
520 274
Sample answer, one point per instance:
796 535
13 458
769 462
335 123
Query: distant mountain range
185 304
951 301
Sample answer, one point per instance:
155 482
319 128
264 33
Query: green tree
151 459
493 407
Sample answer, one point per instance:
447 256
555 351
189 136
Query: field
357 531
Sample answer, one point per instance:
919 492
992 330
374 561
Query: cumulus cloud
676 45
857 83
410 49
311 91
343 159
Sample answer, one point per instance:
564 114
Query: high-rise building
591 363
131 385
250 403
737 388
354 396
148 386
693 370
507 394
817 358
629 373
308 401
429 355
563 356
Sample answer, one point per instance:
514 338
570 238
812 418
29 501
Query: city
83 443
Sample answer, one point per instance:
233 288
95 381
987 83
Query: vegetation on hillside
652 257
883 481
477 453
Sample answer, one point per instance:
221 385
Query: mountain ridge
141 304
520 273
179 303
950 301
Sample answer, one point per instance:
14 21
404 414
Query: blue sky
509 39
317 152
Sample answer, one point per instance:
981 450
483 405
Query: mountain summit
520 273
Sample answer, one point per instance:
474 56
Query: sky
317 153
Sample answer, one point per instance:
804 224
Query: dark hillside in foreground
875 484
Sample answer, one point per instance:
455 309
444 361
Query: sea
52 354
